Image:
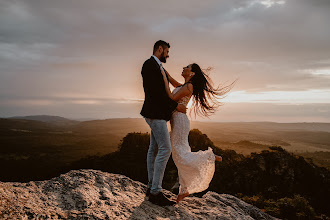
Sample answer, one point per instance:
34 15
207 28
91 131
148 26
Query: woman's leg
218 158
183 191
182 196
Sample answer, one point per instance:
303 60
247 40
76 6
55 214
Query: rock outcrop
93 194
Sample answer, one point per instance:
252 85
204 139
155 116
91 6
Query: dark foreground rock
93 194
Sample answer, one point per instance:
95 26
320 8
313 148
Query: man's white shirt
158 61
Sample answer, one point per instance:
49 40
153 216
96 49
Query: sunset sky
82 59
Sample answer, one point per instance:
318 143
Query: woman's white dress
195 169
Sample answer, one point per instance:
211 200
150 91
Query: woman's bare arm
172 80
184 91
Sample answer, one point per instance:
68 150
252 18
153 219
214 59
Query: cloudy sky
82 58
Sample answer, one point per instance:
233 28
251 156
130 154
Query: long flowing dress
195 169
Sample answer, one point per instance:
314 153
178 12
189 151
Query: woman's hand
184 91
164 75
171 80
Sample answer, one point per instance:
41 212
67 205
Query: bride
195 169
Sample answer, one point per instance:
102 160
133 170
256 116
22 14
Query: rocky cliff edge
93 194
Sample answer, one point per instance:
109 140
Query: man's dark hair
161 43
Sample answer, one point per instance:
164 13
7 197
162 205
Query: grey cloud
254 32
80 47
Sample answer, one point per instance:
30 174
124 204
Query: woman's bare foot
181 196
218 158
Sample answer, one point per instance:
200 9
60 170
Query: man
157 110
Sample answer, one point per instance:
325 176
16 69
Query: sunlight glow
308 96
324 72
270 3
86 102
129 101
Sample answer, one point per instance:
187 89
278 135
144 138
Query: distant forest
280 183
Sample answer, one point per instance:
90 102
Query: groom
157 110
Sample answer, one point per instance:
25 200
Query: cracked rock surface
93 194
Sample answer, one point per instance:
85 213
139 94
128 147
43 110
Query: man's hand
181 108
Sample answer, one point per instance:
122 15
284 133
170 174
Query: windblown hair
161 43
205 101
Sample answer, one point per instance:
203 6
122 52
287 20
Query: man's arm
181 108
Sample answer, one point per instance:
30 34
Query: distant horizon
208 121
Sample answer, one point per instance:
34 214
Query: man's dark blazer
157 104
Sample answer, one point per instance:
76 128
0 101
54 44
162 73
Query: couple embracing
195 169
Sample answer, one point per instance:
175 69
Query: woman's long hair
205 101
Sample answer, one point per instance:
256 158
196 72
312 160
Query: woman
195 169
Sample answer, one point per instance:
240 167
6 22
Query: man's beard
162 58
